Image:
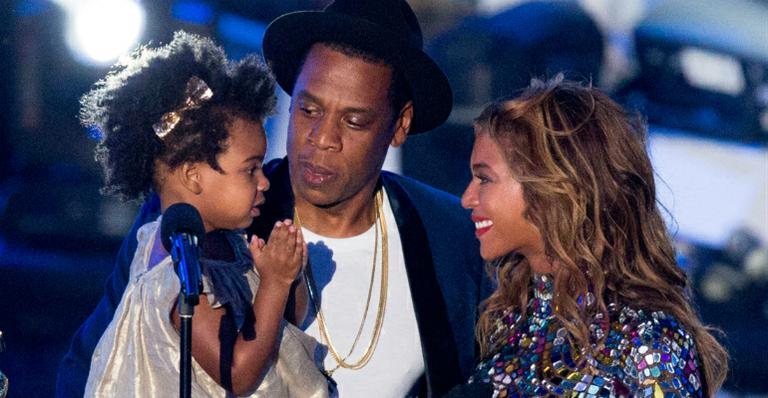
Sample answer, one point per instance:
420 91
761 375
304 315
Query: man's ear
403 125
190 176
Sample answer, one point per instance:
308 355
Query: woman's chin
489 255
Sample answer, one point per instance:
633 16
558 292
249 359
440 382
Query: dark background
58 235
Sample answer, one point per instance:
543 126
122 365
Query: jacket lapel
437 340
279 199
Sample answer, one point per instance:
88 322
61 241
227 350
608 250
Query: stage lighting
100 31
712 71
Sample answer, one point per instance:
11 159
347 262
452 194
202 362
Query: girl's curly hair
151 82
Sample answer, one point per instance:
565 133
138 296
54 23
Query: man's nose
325 135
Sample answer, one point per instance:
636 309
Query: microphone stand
3 378
185 259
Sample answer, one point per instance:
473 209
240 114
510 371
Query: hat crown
395 16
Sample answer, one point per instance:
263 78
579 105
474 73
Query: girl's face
229 199
496 200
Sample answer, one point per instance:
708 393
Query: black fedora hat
386 28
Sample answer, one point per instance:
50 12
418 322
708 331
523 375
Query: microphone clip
185 255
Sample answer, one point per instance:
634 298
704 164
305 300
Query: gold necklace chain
380 224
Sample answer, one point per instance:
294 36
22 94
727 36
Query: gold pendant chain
380 225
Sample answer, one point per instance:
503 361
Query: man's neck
348 218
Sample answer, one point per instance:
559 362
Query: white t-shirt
341 269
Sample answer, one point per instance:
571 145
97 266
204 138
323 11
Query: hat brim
288 38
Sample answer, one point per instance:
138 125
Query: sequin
640 353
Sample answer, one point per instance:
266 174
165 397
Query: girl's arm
277 262
298 302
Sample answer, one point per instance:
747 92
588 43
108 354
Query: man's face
341 125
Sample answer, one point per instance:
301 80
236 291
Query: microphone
182 233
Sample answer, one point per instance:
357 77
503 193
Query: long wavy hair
589 188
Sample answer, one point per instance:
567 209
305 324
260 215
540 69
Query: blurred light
494 6
710 187
721 283
764 120
236 29
100 31
734 26
95 134
712 71
194 12
756 264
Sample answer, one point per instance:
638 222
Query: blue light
194 12
95 134
28 8
236 29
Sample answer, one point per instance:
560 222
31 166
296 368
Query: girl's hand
280 259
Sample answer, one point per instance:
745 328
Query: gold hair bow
197 93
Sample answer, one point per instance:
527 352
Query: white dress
138 354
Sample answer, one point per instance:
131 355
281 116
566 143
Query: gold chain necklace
380 224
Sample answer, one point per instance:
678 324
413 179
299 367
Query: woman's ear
190 177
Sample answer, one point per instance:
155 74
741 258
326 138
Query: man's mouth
315 175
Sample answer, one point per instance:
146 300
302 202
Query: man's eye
309 111
356 123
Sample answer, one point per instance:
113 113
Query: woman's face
230 198
496 200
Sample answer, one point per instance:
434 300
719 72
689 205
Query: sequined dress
645 354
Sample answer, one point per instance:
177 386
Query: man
394 277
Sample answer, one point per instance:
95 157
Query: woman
589 297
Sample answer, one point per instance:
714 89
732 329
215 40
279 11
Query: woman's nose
469 197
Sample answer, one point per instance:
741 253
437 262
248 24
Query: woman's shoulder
653 351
